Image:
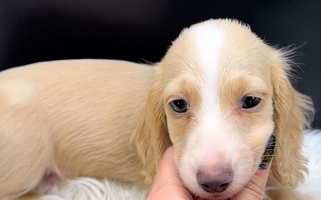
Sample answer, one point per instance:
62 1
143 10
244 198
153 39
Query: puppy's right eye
179 105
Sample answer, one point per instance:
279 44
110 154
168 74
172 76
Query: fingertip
261 176
264 170
168 155
169 150
167 163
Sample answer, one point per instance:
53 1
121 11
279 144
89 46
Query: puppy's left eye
249 102
179 105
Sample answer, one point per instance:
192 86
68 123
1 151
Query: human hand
167 184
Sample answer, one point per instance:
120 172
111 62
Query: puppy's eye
249 102
179 105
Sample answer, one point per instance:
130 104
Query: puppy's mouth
220 196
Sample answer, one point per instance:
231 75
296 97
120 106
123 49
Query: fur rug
91 189
312 150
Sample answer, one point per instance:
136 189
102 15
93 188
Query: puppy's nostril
206 187
223 187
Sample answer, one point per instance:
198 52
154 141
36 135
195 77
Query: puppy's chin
202 195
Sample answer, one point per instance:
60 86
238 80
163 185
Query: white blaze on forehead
203 141
208 39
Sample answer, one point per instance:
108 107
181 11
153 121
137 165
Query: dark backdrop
142 30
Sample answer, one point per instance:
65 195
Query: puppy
218 95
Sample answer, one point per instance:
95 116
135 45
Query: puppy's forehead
225 40
215 47
228 46
227 52
208 39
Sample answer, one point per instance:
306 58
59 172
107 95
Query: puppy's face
218 104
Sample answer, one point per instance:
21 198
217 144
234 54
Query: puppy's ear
151 134
293 112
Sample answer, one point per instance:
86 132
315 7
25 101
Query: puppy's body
65 118
217 96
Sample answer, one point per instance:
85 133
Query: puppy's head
220 93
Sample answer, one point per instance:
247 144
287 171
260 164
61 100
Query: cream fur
112 119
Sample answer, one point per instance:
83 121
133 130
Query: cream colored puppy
218 95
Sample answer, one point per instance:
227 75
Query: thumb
167 184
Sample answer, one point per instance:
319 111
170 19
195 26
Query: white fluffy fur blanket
312 150
91 189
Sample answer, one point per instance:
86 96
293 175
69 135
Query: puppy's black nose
215 182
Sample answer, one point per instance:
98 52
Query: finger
167 184
167 172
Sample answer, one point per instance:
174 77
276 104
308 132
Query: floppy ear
151 134
293 112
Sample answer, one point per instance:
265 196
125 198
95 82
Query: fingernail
268 153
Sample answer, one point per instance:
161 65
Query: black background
142 30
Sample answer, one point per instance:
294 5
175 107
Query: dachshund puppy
218 96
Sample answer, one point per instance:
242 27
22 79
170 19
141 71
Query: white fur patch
208 39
